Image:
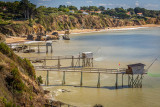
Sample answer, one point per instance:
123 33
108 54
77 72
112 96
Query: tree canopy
24 9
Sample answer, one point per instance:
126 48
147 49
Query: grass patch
6 50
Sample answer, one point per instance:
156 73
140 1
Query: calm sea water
109 48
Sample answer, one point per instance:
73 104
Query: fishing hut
48 44
66 35
135 75
87 59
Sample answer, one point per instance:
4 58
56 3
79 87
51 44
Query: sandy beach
16 40
79 31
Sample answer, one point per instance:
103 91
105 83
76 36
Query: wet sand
16 40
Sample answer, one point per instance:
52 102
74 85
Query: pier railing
89 70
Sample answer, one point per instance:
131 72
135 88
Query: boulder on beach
31 37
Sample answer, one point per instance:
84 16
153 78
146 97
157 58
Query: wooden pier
134 81
80 64
76 61
29 46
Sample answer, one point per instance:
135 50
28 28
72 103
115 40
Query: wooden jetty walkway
29 46
76 61
133 82
83 64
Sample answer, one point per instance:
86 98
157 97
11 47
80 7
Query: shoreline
83 31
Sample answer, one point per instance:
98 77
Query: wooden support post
29 47
72 62
141 81
98 84
92 62
51 49
23 47
47 77
128 81
44 63
46 49
79 60
63 81
81 79
38 49
116 81
132 80
122 80
58 63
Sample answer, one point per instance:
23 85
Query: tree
122 15
28 9
120 10
102 8
84 8
93 8
72 8
110 12
62 6
131 10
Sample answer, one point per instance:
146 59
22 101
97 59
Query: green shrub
15 82
29 68
6 103
39 80
6 50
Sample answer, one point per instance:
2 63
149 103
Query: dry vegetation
19 86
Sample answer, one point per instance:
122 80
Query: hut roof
138 64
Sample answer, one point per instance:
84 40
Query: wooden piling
63 81
51 49
29 47
47 77
81 79
44 63
122 80
132 80
79 60
98 83
46 49
38 49
58 63
116 81
72 62
128 81
23 47
141 81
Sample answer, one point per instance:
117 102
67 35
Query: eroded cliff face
21 29
63 22
18 82
77 21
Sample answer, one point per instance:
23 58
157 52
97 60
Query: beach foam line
108 30
128 28
29 42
